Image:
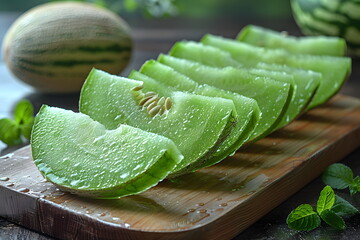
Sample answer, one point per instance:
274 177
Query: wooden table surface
152 37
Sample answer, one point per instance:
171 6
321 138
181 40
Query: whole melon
53 47
332 18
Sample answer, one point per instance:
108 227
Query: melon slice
79 155
247 109
305 82
273 97
294 108
198 125
335 70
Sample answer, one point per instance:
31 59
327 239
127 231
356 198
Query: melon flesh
246 108
196 124
272 97
79 155
294 108
305 82
335 70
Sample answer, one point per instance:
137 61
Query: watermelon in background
331 18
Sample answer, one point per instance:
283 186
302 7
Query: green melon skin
267 38
54 46
247 109
306 81
272 96
196 124
331 18
335 70
79 155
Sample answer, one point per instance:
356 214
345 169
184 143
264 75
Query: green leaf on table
338 176
9 132
326 199
343 208
303 218
355 186
332 219
24 112
27 128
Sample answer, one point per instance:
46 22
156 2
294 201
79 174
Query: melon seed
152 105
149 94
144 100
154 111
162 110
137 88
161 101
168 103
152 99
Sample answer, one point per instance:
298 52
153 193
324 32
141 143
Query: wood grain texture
213 203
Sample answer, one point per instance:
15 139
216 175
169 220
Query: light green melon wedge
79 155
272 97
334 70
198 125
207 55
313 45
247 109
293 109
305 82
296 106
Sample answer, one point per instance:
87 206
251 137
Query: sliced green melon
267 38
297 103
198 125
335 70
79 155
204 54
306 81
272 96
247 109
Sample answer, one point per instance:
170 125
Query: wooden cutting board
214 203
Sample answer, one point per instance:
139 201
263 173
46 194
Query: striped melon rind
333 18
54 46
313 45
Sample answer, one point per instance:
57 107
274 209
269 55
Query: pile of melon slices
186 110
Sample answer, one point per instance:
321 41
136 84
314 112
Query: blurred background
180 8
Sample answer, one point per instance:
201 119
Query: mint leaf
343 208
326 199
26 129
338 176
303 218
9 132
24 112
355 186
332 219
